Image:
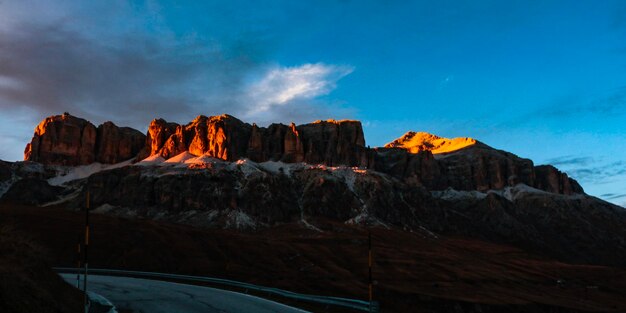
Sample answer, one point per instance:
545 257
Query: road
154 296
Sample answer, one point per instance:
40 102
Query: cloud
612 196
289 86
571 107
570 160
122 62
52 69
599 173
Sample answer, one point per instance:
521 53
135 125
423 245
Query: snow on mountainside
68 174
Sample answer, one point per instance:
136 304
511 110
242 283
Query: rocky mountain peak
68 140
415 142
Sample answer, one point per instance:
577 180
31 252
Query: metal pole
78 265
369 244
86 260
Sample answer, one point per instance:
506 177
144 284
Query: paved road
153 296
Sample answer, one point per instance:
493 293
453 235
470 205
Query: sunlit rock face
63 140
465 164
415 142
69 140
417 158
227 138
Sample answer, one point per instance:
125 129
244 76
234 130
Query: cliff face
466 164
116 144
69 140
421 159
62 140
227 138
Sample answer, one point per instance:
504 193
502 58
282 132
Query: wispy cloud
593 171
572 106
613 196
570 160
289 86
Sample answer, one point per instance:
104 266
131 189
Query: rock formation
225 137
550 179
69 140
418 158
116 144
465 164
419 182
415 142
63 140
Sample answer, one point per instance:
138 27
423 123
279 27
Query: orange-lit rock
159 132
223 137
465 164
420 159
415 142
62 140
227 138
69 140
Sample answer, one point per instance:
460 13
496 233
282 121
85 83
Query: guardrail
336 301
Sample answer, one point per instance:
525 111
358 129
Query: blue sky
542 79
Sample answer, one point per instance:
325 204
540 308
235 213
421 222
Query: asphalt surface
153 296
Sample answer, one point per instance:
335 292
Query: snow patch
278 167
203 159
63 199
347 174
246 166
515 192
457 195
151 160
364 218
181 158
239 220
83 171
310 226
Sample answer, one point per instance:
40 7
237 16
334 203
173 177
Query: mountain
415 142
221 173
418 158
68 140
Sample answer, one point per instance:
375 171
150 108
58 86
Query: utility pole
374 305
86 248
78 264
369 245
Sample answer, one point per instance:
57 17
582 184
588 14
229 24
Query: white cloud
283 86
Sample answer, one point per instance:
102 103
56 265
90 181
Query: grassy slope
415 273
27 284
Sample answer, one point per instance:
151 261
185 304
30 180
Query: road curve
154 296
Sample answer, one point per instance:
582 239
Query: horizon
541 80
